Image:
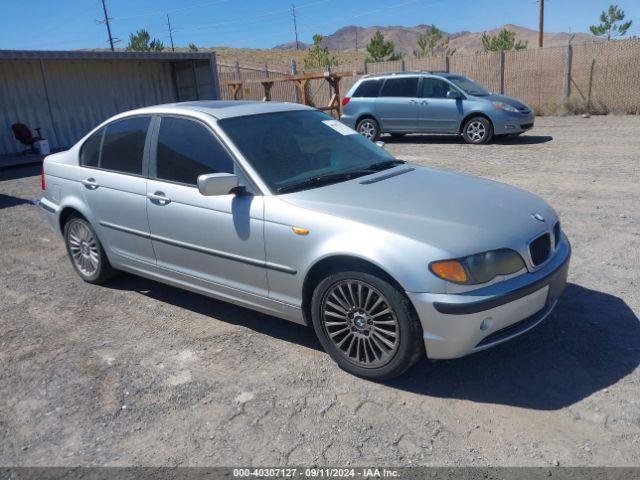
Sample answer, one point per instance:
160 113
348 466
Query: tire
357 334
368 127
85 251
477 131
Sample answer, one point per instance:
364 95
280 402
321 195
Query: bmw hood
456 213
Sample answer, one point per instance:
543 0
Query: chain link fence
600 77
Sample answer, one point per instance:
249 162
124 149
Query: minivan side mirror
210 184
454 94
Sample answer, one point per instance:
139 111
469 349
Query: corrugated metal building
68 93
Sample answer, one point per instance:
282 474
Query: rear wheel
368 128
366 325
477 131
86 252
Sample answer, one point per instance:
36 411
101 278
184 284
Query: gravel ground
138 373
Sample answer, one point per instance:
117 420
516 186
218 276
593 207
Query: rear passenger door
215 241
397 105
439 114
114 185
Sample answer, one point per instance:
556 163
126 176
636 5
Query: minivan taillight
43 183
345 100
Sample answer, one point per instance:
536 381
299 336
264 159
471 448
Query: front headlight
479 268
505 106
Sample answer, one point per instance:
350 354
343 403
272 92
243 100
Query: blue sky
71 24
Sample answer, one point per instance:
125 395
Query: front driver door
215 241
397 106
439 114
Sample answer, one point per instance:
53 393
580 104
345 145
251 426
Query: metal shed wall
83 92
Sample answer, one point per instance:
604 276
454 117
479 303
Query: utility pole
541 24
106 22
170 33
295 25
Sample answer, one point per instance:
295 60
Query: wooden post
294 71
402 68
366 68
566 91
213 66
593 65
238 79
501 72
446 63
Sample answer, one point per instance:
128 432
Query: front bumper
455 325
505 122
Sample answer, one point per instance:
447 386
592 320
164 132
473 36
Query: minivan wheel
368 128
477 131
366 325
86 252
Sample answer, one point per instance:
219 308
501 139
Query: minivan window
400 87
435 88
368 88
123 145
188 149
468 86
90 152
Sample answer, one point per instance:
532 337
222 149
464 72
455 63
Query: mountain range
405 39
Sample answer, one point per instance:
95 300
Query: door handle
159 198
90 183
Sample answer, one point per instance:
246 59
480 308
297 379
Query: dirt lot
140 373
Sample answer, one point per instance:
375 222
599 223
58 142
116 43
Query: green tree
319 56
504 40
192 47
141 42
610 25
381 50
433 42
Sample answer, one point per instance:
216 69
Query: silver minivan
434 103
282 209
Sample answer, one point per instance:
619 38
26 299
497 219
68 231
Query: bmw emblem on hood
538 217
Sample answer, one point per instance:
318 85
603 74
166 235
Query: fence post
294 71
446 63
238 77
566 91
266 70
366 69
501 72
402 69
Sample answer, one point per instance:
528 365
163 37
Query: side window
435 88
123 145
368 88
187 149
400 87
90 151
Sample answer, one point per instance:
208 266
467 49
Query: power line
175 10
295 26
170 33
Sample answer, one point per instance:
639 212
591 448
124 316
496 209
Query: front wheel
366 325
477 131
369 129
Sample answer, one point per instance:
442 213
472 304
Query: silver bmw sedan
280 208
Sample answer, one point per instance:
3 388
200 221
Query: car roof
220 109
434 73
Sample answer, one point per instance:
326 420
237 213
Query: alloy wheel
367 129
83 248
476 131
361 323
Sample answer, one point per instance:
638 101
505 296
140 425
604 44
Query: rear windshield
368 88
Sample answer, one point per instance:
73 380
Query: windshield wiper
323 180
376 167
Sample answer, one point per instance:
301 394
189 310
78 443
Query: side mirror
454 94
211 184
380 143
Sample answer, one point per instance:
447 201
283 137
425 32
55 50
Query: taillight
345 100
43 183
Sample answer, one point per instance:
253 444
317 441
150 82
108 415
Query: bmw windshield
468 86
298 150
